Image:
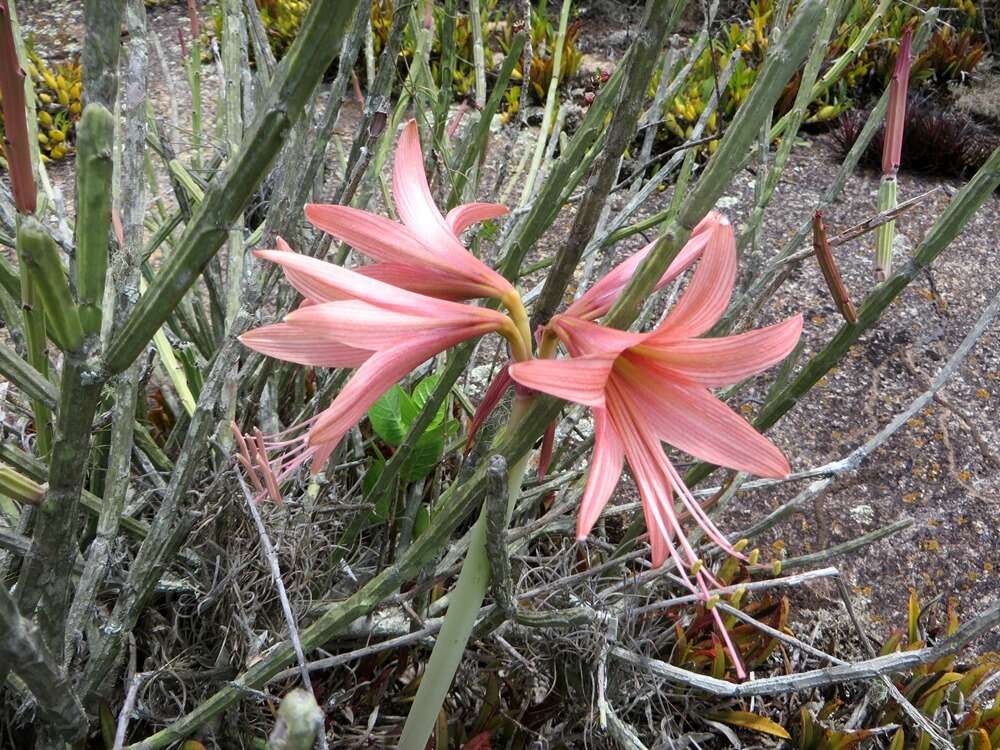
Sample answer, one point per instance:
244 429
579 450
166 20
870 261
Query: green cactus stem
94 146
39 254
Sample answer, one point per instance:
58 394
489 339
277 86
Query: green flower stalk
891 150
464 603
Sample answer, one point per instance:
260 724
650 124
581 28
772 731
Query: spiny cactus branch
659 19
101 43
22 650
296 79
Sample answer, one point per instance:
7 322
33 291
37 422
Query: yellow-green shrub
58 90
951 53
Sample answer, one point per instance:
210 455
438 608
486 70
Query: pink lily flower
423 253
648 388
351 320
896 114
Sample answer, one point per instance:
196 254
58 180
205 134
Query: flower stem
521 351
887 232
464 603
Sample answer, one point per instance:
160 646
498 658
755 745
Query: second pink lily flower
644 388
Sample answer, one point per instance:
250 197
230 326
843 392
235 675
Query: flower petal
373 379
319 280
462 217
584 337
580 379
729 359
358 323
603 475
287 342
421 216
497 388
412 194
651 480
687 416
707 294
377 237
597 300
427 281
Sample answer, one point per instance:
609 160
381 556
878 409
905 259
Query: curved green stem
515 307
463 608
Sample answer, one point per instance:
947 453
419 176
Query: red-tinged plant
15 119
892 147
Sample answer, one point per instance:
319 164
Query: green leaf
388 415
107 720
753 722
421 395
426 453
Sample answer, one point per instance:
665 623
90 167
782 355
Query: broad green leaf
421 394
426 454
753 722
387 415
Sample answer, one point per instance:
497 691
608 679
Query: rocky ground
942 470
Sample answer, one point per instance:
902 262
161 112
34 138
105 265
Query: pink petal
358 323
653 485
422 217
580 379
659 545
319 280
462 217
373 379
730 359
428 281
597 300
584 337
497 388
707 294
284 341
657 476
412 194
377 237
687 416
414 202
603 474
